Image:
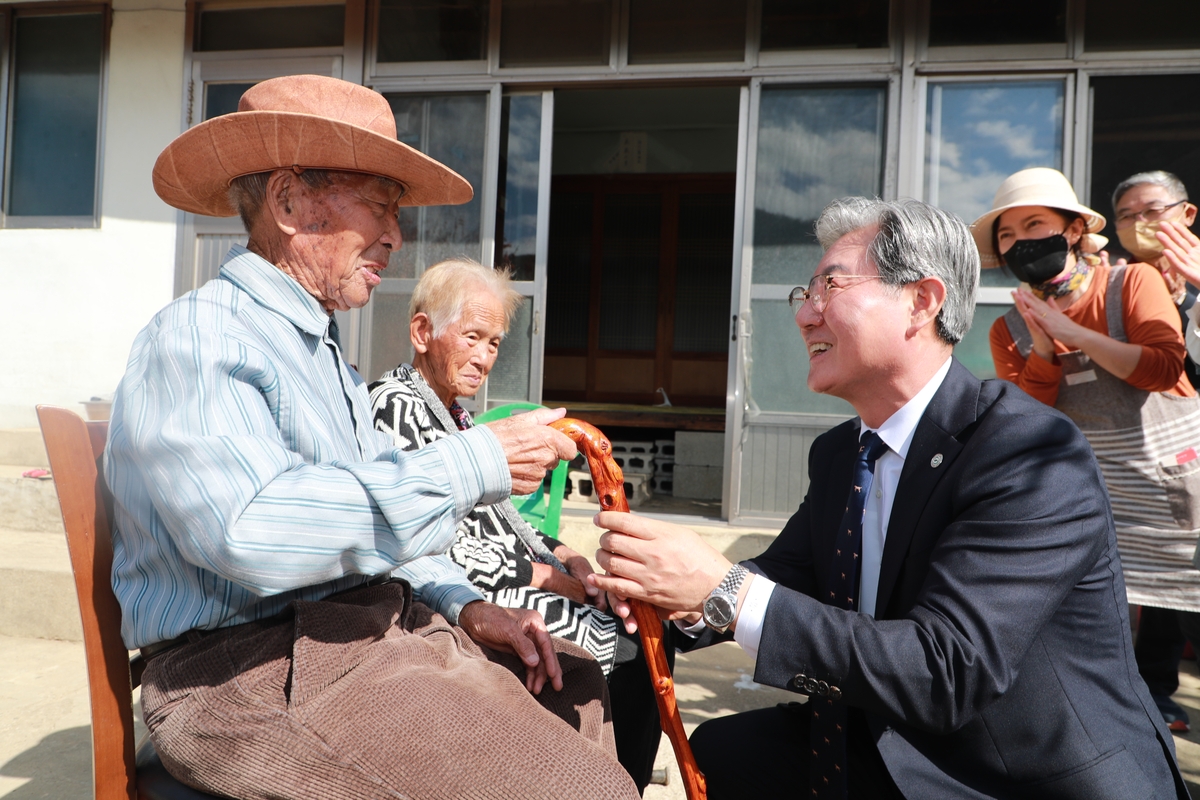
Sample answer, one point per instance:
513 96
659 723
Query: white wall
73 300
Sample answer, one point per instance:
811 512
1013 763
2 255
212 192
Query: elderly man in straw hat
279 564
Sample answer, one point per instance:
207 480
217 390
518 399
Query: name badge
1180 458
1076 378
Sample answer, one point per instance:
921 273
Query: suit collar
932 454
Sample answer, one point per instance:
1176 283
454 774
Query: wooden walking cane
609 483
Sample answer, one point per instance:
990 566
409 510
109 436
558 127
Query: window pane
953 22
432 30
517 202
819 24
390 343
1150 25
569 270
509 379
1140 125
975 350
685 129
55 115
451 129
536 33
271 28
674 31
705 265
977 134
777 370
222 98
629 282
814 145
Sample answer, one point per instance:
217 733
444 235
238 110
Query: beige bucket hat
308 121
1037 186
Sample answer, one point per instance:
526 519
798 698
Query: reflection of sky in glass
980 133
449 128
814 146
518 194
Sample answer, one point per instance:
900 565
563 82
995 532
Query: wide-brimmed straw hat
305 121
1038 186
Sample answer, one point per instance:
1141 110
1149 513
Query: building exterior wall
76 298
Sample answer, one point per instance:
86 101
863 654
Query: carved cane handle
609 483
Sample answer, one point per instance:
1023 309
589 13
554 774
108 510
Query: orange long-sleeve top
1151 320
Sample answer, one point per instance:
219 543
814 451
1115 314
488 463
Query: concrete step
37 591
37 595
22 446
28 504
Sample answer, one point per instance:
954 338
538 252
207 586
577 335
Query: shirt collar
897 432
272 288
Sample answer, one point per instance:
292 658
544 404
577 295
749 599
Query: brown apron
1148 448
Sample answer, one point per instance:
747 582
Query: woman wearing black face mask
1103 345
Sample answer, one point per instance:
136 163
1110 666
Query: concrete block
664 467
664 447
645 448
22 447
37 590
662 484
638 463
697 482
637 488
29 504
700 449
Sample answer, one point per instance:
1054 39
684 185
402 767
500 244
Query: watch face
718 611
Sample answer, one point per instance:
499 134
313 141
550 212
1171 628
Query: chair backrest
74 446
542 509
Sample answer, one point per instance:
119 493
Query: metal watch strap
733 580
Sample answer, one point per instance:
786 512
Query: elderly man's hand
666 565
521 632
531 448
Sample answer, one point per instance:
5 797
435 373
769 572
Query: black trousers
636 724
1159 647
763 754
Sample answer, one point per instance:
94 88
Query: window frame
8 17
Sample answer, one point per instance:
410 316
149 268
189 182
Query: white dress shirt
897 433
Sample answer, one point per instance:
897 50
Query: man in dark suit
948 595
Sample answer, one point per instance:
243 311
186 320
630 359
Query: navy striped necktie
827 733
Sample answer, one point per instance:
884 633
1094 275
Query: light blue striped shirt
247 473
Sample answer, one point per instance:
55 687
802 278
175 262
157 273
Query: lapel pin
936 461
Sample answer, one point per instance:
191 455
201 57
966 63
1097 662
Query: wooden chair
120 771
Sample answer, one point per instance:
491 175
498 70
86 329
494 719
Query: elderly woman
459 313
1102 344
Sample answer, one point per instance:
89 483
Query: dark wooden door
637 295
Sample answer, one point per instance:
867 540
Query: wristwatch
721 605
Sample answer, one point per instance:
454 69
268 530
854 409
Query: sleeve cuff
748 632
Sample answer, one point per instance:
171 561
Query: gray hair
1159 177
247 193
444 289
915 241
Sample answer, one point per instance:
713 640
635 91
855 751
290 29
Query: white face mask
1139 239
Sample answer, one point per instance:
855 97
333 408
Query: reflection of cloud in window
979 134
1018 140
800 171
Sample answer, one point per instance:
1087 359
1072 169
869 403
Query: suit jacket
999 662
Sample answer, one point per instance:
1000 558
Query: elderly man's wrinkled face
456 362
344 236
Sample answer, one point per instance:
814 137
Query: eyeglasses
1152 214
819 288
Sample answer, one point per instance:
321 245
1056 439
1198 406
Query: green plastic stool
542 509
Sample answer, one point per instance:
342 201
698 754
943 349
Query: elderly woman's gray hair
1159 177
915 241
247 193
446 287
